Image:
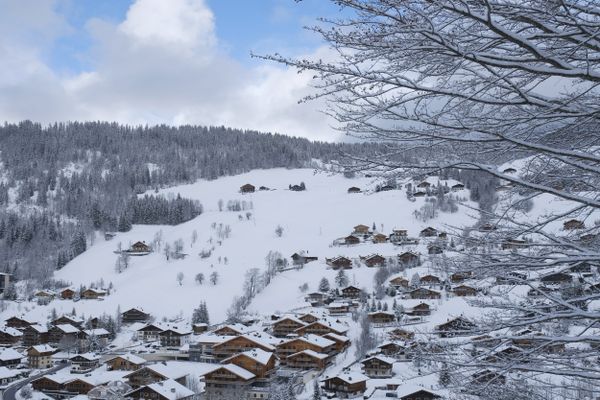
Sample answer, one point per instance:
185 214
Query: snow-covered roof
10 354
168 370
289 318
67 328
411 388
311 353
39 328
236 370
253 339
71 318
349 377
258 355
43 348
335 336
87 356
6 373
387 360
318 340
11 331
96 332
171 389
132 358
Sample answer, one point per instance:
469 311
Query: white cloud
162 64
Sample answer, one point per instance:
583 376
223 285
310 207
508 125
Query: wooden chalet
83 363
247 188
382 317
316 299
93 339
321 328
341 342
465 291
429 232
40 356
227 381
63 333
69 319
556 278
199 328
409 259
34 335
139 248
18 323
10 358
373 260
392 349
459 277
125 362
301 259
239 344
10 336
315 343
307 360
423 293
379 238
430 280
457 187
339 308
361 229
398 235
399 282
421 309
164 390
150 374
511 278
414 392
8 376
149 332
134 315
400 334
455 327
424 185
350 292
351 240
346 385
339 263
286 325
231 330
174 336
93 294
354 189
308 318
45 294
435 249
261 363
573 224
67 294
378 367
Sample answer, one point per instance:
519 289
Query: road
11 391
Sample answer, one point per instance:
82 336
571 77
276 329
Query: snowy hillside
311 220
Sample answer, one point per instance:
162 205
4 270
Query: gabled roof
310 353
260 356
408 389
234 369
9 354
42 349
384 359
67 328
132 358
167 371
87 356
170 389
349 377
11 331
96 332
254 340
38 328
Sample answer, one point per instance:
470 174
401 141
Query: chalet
227 381
110 390
341 342
504 353
93 339
307 360
149 332
401 334
459 277
381 317
155 373
428 232
231 330
465 291
297 188
125 362
45 294
308 318
134 315
430 280
398 235
373 260
93 294
351 292
556 278
414 392
420 309
286 325
69 319
422 293
573 224
65 333
321 328
337 308
511 278
174 336
67 294
34 335
409 259
435 249
443 235
8 376
84 363
10 336
52 383
351 240
199 328
346 385
457 187
419 193
339 263
379 238
261 363
399 282
424 185
354 189
247 188
239 344
378 367
139 249
10 358
456 327
40 356
301 259
509 171
361 229
392 349
164 390
316 298
487 377
315 343
264 188
18 323
511 244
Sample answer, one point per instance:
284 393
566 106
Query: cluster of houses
425 188
364 234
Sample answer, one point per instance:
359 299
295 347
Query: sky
162 62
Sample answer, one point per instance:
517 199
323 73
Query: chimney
172 390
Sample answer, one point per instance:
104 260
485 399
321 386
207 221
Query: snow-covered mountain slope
311 220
